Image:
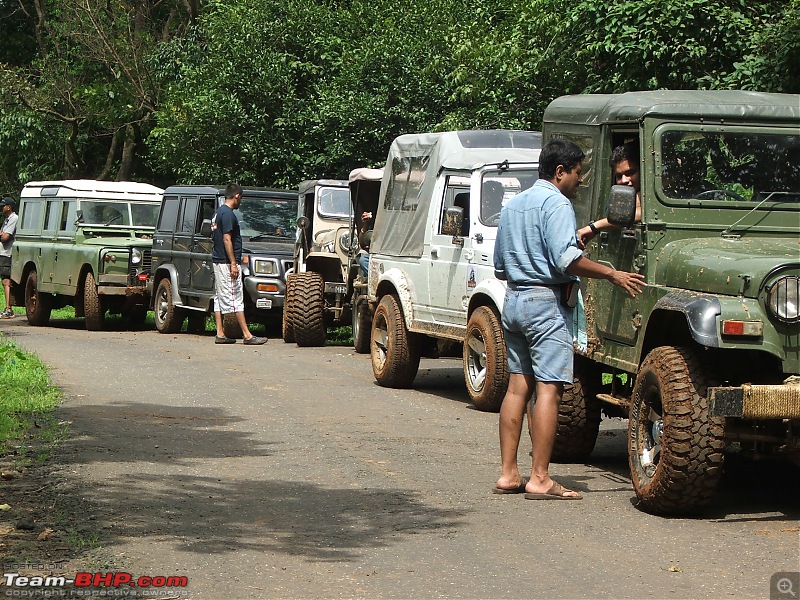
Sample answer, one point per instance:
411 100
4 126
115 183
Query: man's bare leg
512 413
543 426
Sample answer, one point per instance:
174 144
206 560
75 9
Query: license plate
336 288
264 303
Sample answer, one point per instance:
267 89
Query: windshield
741 167
497 188
334 202
108 212
266 217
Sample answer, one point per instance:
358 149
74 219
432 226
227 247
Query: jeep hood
118 242
716 265
273 245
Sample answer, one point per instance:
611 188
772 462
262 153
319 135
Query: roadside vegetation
28 398
272 93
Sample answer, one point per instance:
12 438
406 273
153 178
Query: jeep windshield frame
334 202
498 186
728 166
267 217
110 213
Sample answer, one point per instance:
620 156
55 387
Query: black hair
232 190
559 152
628 151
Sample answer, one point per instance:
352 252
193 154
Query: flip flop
556 492
520 489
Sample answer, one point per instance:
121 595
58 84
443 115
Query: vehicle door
445 260
48 249
202 268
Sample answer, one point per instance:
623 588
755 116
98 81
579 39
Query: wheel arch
394 281
327 265
166 272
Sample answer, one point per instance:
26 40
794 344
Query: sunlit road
283 472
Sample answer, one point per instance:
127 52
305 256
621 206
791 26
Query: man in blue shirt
536 252
226 255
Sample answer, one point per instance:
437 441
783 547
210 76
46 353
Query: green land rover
706 359
87 244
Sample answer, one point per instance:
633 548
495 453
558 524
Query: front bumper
759 402
265 293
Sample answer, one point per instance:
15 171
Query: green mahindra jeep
708 356
84 243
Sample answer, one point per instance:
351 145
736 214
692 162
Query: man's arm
633 283
587 233
227 241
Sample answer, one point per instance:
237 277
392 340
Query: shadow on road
219 514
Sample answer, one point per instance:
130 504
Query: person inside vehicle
492 193
364 240
624 164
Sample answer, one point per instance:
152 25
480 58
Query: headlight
782 299
346 243
265 267
136 256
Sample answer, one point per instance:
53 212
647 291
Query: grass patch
27 393
340 336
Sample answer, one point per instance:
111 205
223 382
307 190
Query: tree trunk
128 154
105 174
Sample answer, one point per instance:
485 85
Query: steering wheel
495 218
117 217
714 193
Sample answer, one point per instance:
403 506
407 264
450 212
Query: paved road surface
281 472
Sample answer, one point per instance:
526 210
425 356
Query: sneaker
255 341
224 340
7 314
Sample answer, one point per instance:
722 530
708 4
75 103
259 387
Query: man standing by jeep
9 231
227 258
537 254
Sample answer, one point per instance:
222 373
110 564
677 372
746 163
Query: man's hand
633 283
234 271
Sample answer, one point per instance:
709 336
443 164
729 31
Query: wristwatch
593 228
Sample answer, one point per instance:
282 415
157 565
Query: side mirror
303 222
621 208
453 218
205 228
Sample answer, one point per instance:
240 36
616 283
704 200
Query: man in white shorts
9 231
227 258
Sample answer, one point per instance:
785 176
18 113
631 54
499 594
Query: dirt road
281 472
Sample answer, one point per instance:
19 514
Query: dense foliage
271 93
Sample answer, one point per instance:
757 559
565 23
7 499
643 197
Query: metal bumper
756 401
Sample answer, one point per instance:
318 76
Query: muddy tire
578 414
309 313
196 322
394 351
37 305
485 364
362 324
675 448
287 321
168 317
93 311
231 327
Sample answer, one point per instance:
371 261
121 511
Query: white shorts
230 295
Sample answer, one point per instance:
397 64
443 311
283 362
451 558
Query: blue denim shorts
538 333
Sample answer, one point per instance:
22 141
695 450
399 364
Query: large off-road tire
362 324
168 317
578 414
37 305
394 351
287 319
485 364
676 448
231 327
93 311
309 312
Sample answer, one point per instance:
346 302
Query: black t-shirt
225 221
